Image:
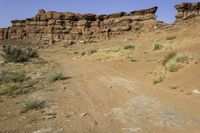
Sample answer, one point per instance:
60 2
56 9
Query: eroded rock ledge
187 10
56 26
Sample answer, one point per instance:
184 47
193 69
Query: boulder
71 16
41 15
18 23
51 22
90 17
144 11
117 15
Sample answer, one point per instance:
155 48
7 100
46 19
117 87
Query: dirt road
98 98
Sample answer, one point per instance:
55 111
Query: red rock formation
56 26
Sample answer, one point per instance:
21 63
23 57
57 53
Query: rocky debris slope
56 26
187 10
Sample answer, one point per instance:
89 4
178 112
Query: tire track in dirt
95 94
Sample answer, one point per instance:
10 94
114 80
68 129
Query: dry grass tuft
31 104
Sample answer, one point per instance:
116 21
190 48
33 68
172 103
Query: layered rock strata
187 10
54 26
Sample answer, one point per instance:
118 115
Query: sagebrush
12 77
16 54
31 104
55 77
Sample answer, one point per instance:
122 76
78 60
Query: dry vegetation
31 104
15 54
20 74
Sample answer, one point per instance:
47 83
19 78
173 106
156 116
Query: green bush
129 47
10 89
55 77
157 47
14 54
31 53
172 65
12 77
170 37
169 57
91 51
31 104
172 61
173 87
181 57
159 80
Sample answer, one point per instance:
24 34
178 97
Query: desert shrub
170 37
172 61
14 54
83 53
172 65
55 77
31 53
12 77
91 51
159 80
169 57
181 57
129 47
31 104
157 47
10 89
173 87
133 60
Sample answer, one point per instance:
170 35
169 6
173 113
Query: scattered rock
44 130
49 117
22 118
82 42
196 62
83 114
196 91
110 86
69 115
173 87
189 93
4 118
51 114
38 76
94 122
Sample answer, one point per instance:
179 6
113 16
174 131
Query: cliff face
187 10
56 26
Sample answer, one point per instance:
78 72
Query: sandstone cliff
187 10
55 26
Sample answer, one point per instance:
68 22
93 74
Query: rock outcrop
56 26
187 10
